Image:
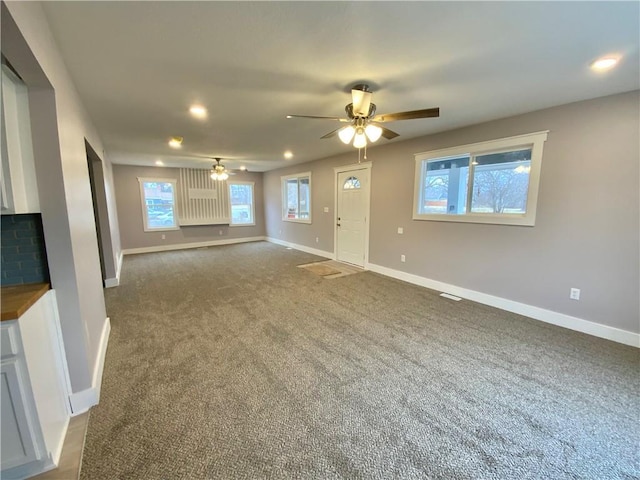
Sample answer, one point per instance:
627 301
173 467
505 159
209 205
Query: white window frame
283 187
535 141
253 204
143 202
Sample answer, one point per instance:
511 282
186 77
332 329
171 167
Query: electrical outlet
164 236
219 232
574 294
317 239
400 230
403 258
326 209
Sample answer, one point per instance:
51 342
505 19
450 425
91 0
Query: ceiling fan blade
361 100
333 133
338 119
388 134
392 117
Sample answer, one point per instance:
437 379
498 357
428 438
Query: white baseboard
184 246
302 248
85 399
114 282
537 313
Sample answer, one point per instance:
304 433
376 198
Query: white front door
352 216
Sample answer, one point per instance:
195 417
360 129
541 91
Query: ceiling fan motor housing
353 116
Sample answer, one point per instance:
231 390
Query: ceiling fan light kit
373 132
219 171
346 134
361 113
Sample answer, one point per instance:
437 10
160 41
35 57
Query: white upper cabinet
18 175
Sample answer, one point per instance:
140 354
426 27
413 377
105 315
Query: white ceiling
139 65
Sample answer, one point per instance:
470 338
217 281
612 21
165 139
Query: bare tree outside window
501 182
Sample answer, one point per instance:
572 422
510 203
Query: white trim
336 172
185 246
486 146
61 357
114 282
253 204
534 140
537 313
85 399
143 200
302 248
283 197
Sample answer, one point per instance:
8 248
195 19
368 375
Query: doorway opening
101 215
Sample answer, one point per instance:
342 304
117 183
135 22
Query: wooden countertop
17 299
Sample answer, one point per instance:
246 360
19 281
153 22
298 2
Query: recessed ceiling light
198 111
159 162
175 142
604 63
288 155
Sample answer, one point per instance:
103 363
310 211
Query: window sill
297 220
521 220
160 229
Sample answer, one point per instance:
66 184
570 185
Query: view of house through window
241 201
158 203
491 182
296 197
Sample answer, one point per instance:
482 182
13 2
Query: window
351 183
158 204
296 198
488 182
241 201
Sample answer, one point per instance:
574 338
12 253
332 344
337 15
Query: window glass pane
304 198
159 200
296 197
241 197
445 186
501 182
351 182
292 198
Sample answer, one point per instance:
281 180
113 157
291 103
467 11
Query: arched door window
350 183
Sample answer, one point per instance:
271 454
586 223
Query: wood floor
71 457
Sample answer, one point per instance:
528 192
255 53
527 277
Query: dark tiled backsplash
24 258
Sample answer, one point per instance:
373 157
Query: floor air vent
450 297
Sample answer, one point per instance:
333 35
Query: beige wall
60 126
587 227
127 189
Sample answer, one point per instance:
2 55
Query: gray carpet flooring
231 363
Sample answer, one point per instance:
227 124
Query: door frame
336 172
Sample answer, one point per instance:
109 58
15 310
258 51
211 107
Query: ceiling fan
363 121
219 171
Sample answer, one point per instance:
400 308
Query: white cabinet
35 391
20 431
18 175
